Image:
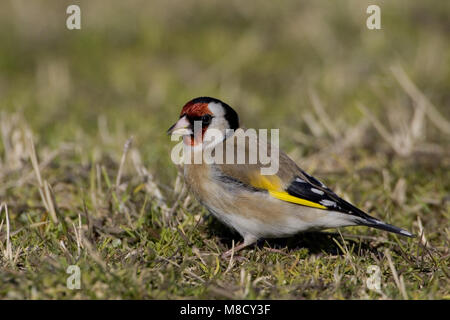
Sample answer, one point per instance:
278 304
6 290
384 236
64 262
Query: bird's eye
206 119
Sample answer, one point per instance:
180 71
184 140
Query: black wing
309 188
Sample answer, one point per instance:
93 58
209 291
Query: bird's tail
378 224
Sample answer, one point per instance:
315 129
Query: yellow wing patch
265 182
287 197
273 185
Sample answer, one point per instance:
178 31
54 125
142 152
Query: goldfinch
257 205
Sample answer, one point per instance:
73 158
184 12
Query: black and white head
203 117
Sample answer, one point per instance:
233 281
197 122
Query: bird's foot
247 241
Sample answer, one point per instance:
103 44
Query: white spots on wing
300 180
321 183
406 233
317 191
328 203
314 180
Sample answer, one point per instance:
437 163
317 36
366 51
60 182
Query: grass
365 111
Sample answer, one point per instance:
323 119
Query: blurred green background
134 64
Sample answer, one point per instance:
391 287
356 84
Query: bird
256 205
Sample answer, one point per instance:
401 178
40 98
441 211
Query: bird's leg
248 240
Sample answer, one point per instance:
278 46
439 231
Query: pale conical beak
182 127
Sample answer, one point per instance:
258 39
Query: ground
85 173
